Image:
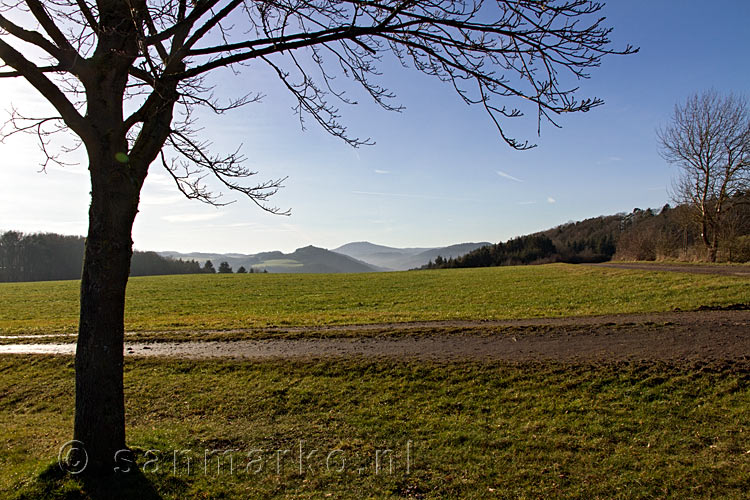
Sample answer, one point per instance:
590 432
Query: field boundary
674 267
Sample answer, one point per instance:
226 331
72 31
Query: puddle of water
38 349
40 336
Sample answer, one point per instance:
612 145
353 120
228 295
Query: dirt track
675 337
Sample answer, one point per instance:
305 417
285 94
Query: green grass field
219 302
455 430
464 430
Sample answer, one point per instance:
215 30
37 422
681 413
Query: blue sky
439 173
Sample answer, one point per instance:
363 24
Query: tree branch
200 9
40 13
49 90
31 37
88 15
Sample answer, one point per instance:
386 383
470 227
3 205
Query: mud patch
711 336
731 307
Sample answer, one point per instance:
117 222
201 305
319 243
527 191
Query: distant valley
359 257
402 259
308 259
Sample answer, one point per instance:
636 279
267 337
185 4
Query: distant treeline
524 250
49 256
667 234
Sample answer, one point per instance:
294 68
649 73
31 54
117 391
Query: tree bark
708 241
713 250
100 407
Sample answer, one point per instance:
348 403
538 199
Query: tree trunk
100 405
714 248
709 242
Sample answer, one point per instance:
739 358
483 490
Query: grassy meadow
237 429
457 430
233 301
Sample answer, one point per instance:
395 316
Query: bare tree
126 75
709 140
735 228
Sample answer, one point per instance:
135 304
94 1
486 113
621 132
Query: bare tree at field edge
90 59
709 140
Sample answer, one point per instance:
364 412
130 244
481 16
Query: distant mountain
362 249
388 258
400 259
309 259
320 260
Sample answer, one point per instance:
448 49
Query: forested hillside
591 240
666 234
49 256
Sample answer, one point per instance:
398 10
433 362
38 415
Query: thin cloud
241 224
551 200
531 202
280 228
256 227
191 217
610 159
68 169
160 180
413 196
507 176
382 172
161 200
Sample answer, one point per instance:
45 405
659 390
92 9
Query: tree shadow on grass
53 483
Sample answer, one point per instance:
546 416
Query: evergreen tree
225 268
208 267
50 256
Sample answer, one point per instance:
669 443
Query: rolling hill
308 259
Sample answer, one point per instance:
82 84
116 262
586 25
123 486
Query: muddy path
675 337
722 269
